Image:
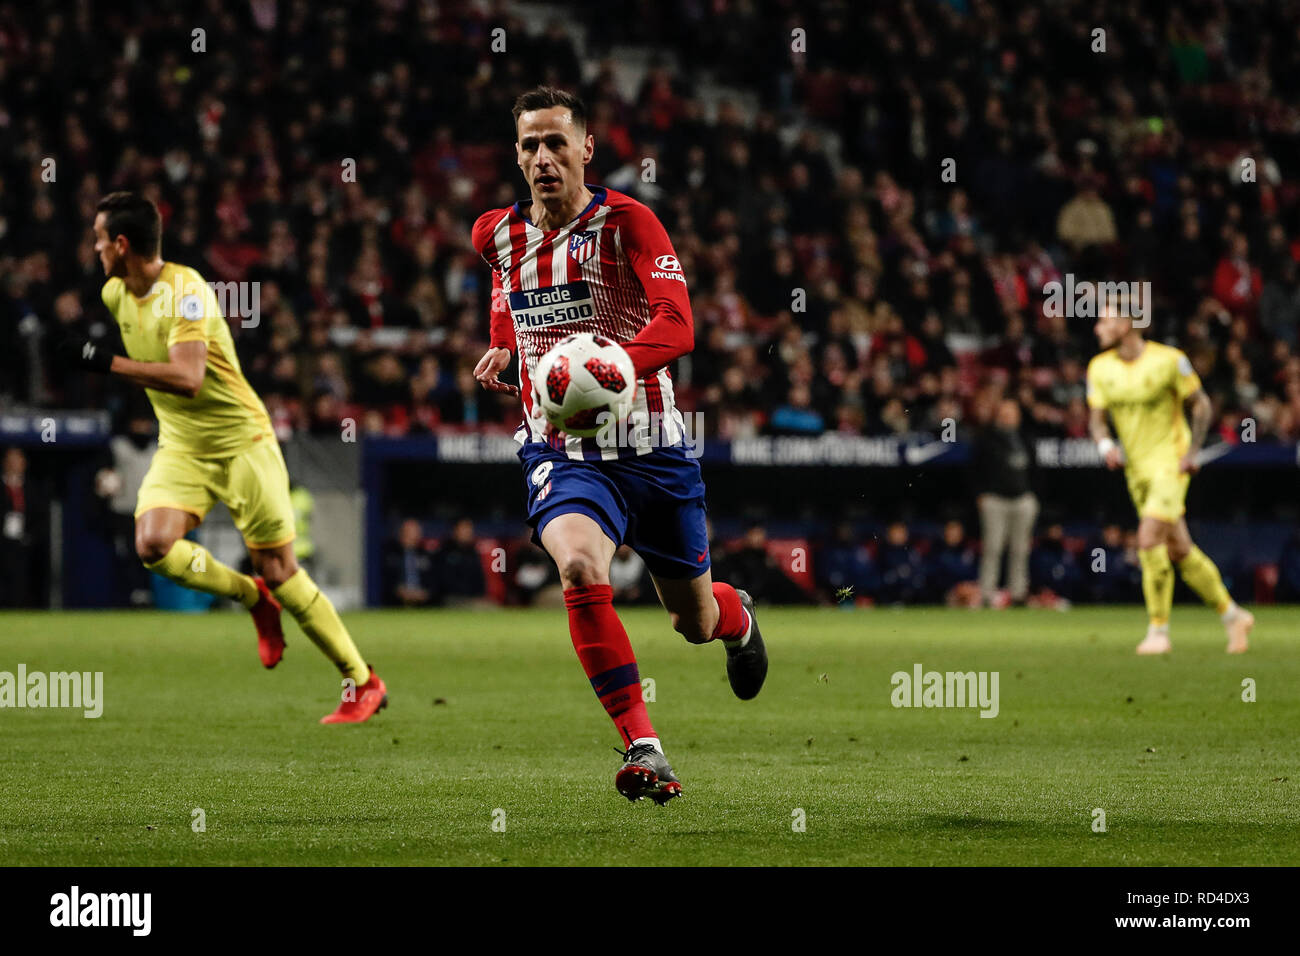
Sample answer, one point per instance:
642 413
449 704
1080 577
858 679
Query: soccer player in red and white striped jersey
582 258
612 271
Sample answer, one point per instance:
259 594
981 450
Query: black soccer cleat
646 773
747 666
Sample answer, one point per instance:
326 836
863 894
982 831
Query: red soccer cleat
647 773
372 697
266 616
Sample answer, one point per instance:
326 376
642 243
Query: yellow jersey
226 416
1145 400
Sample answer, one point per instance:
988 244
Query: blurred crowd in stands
839 280
899 565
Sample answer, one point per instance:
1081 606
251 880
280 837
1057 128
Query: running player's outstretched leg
1201 575
161 544
704 610
297 592
1157 584
582 552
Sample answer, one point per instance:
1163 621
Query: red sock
733 621
606 656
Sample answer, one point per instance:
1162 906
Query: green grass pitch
490 712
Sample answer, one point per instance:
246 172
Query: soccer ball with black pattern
584 384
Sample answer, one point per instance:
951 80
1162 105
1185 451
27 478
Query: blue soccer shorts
654 503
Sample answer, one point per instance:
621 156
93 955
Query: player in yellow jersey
215 444
1144 387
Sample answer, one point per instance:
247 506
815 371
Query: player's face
111 257
552 153
1110 328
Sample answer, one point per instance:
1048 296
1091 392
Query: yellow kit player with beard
1143 386
215 444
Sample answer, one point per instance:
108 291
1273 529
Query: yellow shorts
253 484
1159 494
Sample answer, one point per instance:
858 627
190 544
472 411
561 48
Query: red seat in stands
1265 583
492 552
795 557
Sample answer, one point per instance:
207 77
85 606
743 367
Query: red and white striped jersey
610 271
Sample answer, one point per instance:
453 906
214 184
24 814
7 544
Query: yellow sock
319 621
1202 576
194 567
1157 583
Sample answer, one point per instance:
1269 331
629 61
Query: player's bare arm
1199 412
182 374
1099 428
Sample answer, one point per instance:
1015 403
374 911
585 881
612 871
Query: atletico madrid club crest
582 245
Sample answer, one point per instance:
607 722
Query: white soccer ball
584 384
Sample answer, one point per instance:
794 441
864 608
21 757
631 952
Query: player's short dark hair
544 97
132 215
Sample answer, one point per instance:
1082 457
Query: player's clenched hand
1114 459
1188 465
85 353
491 365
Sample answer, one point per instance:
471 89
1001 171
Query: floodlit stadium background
848 300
